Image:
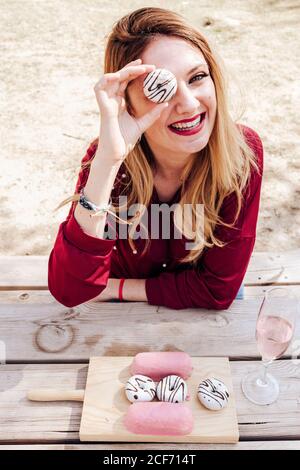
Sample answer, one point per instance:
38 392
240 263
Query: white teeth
190 125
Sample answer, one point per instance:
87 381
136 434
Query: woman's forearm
135 290
98 190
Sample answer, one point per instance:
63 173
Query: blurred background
52 56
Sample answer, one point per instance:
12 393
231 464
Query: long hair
225 163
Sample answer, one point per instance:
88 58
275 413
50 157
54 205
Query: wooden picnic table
124 329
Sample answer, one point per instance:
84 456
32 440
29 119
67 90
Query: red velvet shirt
80 265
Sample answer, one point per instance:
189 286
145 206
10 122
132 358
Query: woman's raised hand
119 131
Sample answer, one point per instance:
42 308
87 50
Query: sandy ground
52 52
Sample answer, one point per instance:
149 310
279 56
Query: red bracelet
121 288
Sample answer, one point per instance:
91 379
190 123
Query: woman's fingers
132 75
134 71
106 80
137 61
126 74
149 118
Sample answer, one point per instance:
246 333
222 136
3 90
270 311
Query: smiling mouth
190 127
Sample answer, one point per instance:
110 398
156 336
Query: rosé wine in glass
273 336
274 331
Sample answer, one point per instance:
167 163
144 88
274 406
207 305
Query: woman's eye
199 76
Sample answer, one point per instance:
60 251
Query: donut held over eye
172 389
213 394
140 388
160 85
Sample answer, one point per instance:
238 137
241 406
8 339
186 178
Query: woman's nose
185 100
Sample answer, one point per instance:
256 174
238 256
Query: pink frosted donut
159 418
158 365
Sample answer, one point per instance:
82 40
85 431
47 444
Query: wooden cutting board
105 404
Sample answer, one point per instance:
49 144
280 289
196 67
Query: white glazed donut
160 85
213 394
172 388
140 388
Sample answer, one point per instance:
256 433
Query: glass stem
264 371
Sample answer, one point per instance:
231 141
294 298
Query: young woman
139 155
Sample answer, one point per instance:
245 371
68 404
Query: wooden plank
259 291
26 421
276 420
113 329
27 296
244 445
31 272
23 421
23 272
44 296
274 268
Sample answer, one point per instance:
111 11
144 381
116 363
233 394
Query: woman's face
195 94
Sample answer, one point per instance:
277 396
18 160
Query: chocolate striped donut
140 388
160 85
213 394
172 388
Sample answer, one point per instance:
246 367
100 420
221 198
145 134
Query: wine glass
274 331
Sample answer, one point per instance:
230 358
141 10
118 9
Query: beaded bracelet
98 210
84 202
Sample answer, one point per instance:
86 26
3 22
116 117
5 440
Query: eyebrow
197 67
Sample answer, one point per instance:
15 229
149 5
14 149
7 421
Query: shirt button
164 265
134 252
124 175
